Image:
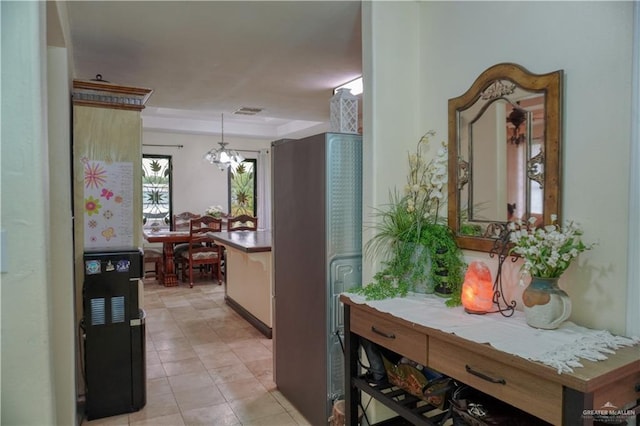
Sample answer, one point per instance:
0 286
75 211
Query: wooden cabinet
559 399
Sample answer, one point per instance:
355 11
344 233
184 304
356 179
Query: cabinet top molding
108 95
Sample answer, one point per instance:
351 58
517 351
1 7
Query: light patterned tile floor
205 364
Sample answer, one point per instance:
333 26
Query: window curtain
264 189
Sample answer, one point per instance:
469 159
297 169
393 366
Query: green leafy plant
471 229
448 266
411 236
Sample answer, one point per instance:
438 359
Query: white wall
27 362
391 119
62 296
196 183
592 42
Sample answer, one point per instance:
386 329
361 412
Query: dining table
167 275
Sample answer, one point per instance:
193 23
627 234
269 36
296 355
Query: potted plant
447 262
547 252
419 250
215 211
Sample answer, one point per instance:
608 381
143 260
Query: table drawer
623 391
401 339
497 378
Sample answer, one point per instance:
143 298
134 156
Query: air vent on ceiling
248 111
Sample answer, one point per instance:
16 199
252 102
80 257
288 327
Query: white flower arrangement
426 181
215 211
549 250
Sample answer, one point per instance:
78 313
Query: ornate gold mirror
504 153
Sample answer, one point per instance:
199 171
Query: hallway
205 364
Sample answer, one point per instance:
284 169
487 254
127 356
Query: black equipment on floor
114 333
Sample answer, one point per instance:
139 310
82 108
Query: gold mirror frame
550 85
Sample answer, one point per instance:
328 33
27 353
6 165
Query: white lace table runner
561 348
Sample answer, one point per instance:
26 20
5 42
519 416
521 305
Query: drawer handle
484 376
382 333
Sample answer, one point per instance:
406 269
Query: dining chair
203 251
242 222
181 221
156 257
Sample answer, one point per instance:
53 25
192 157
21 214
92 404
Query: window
242 188
156 191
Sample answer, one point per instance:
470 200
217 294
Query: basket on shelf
419 381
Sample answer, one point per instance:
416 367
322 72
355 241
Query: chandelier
223 157
516 118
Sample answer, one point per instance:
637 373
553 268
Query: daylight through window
156 191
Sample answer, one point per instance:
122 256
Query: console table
560 399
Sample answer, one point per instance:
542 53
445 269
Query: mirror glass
504 140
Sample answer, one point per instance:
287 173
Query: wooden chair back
182 220
242 222
203 251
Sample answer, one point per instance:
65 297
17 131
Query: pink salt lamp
477 289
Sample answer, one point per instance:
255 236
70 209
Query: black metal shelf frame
408 406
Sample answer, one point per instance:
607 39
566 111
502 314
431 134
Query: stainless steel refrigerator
317 254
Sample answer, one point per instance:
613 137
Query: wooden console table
560 399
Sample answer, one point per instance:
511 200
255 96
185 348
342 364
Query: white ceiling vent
248 111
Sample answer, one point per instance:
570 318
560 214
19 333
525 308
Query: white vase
419 273
546 306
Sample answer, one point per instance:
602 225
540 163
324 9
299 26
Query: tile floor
205 364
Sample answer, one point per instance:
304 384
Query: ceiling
206 58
